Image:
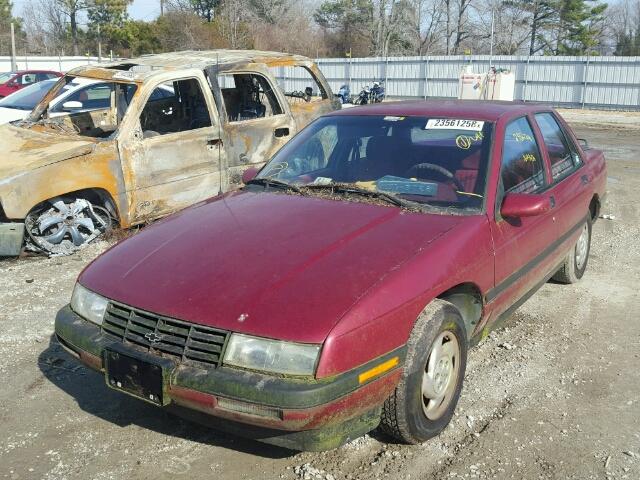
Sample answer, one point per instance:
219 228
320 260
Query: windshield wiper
271 182
387 197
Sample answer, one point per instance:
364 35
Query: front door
174 157
520 244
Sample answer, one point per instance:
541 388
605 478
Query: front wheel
575 264
427 394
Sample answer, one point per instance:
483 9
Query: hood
24 150
266 264
10 114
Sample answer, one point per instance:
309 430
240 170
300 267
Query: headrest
380 146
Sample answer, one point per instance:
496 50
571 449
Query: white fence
587 82
60 64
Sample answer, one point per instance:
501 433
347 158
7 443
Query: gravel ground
556 394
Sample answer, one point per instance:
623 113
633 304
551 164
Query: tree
578 26
205 8
72 8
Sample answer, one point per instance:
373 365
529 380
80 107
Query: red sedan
13 81
341 288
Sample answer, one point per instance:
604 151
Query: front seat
382 159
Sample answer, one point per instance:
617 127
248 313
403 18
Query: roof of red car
476 109
18 72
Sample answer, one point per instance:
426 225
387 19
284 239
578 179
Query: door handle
281 132
211 142
552 201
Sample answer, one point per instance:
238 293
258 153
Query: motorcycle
377 92
363 97
344 94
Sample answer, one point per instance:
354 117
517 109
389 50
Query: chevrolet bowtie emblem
153 337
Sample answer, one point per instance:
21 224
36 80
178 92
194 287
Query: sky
138 10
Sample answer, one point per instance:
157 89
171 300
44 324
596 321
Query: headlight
88 305
271 355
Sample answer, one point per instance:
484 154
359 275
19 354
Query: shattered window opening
248 96
298 84
175 106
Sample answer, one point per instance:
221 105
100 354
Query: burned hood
25 149
266 264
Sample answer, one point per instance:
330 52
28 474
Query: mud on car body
148 137
342 286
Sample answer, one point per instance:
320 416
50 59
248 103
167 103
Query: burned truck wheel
61 226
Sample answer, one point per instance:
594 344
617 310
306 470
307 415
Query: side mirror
249 174
71 105
516 205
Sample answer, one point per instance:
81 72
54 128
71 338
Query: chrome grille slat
179 340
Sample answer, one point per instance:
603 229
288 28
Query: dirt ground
554 395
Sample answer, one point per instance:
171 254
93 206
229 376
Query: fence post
426 76
584 85
526 79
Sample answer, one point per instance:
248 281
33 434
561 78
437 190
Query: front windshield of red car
437 161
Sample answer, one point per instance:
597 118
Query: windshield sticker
522 137
323 181
391 118
389 183
528 157
124 75
453 124
465 141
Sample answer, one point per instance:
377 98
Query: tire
575 264
408 415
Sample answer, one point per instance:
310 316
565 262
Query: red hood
293 265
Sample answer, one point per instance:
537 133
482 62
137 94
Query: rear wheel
427 394
575 264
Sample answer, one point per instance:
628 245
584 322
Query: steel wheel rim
582 247
440 375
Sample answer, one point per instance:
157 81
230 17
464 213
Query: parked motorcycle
377 92
363 97
344 94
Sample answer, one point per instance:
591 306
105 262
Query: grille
175 339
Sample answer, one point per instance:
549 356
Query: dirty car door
173 156
258 121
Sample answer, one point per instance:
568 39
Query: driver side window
522 169
248 96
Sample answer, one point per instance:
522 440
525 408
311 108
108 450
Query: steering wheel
413 172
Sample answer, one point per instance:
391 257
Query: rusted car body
158 133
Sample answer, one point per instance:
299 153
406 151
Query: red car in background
341 288
13 81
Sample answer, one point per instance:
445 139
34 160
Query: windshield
91 108
5 77
30 96
428 161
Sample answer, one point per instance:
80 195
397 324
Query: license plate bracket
135 376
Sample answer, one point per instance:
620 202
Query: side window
522 169
563 156
248 96
28 79
93 97
298 84
175 107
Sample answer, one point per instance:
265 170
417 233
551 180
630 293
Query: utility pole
162 8
99 45
14 64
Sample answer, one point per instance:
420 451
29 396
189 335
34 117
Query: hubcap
582 247
441 375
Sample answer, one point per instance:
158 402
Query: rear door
521 257
173 157
570 181
258 121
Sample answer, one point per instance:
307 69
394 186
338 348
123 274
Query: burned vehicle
343 285
146 137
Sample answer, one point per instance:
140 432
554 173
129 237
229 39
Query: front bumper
303 414
11 239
